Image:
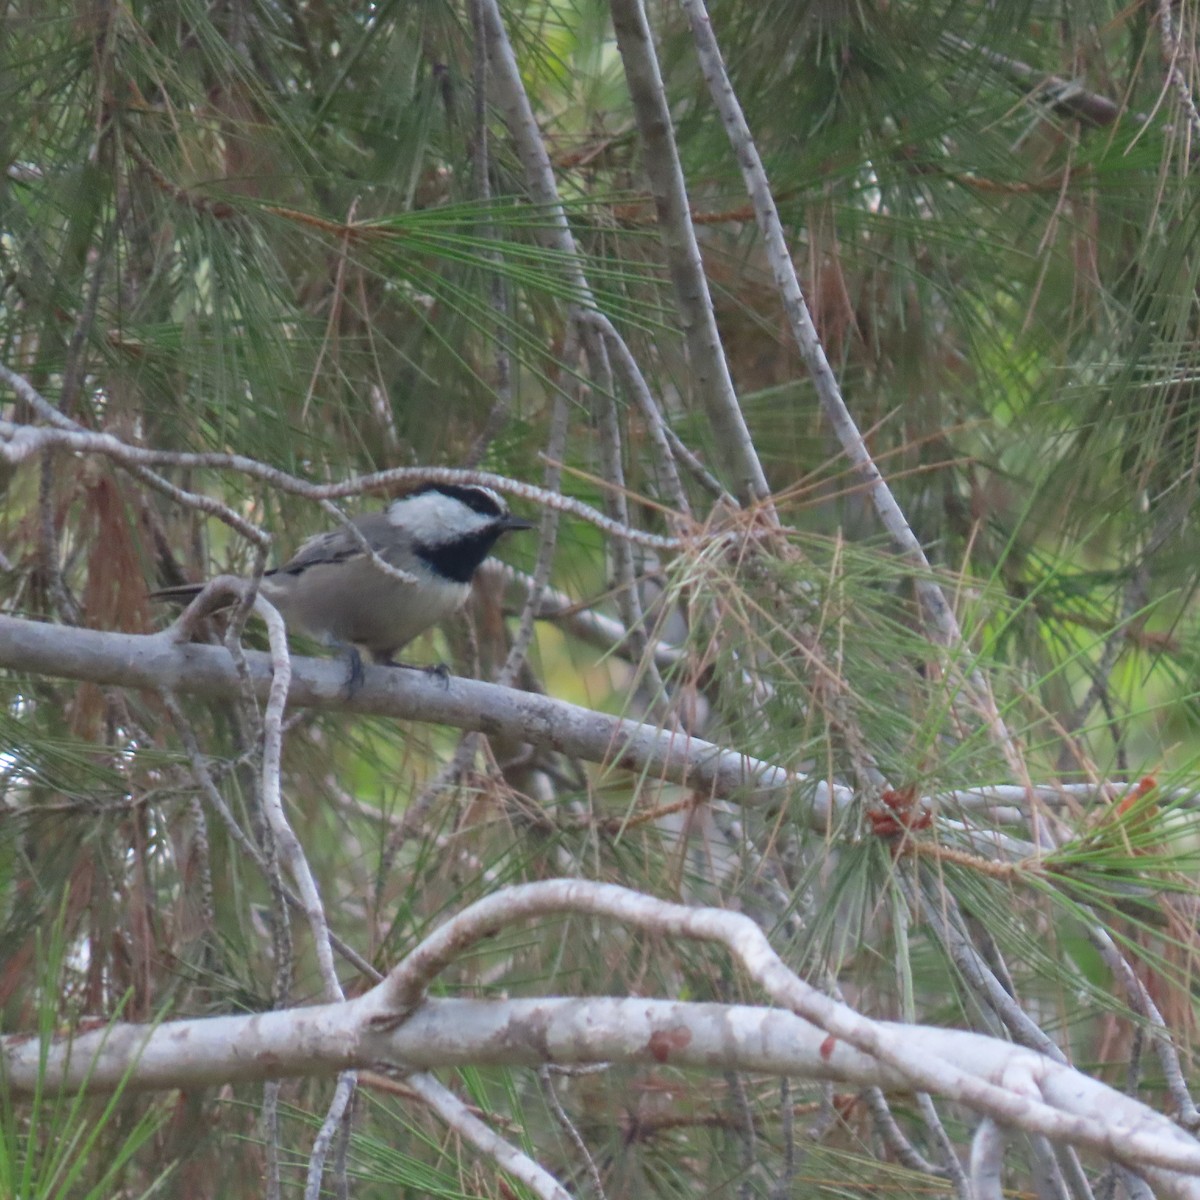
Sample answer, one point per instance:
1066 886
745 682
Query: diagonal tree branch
156 660
660 159
465 1123
937 613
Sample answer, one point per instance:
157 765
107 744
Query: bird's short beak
510 523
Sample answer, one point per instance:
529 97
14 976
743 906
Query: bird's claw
440 672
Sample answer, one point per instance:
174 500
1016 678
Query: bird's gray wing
336 545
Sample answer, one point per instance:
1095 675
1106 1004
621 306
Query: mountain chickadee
332 591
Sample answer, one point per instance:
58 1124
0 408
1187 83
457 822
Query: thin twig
635 384
590 626
660 160
987 1161
64 605
745 1128
949 1156
204 778
624 581
936 611
893 1136
497 293
269 1123
556 445
341 1155
332 1126
469 1127
568 1127
199 863
292 853
73 373
1048 1181
941 912
782 1190
700 473
18 442
446 777
1172 52
1065 96
1142 1003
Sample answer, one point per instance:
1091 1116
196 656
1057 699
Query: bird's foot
439 670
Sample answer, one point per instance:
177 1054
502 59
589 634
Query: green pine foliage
260 229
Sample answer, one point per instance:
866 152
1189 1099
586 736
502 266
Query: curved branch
324 1040
19 442
1015 1096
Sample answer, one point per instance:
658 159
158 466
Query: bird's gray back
332 590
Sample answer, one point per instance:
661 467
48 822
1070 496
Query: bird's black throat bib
458 560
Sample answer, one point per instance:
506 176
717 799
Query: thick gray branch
323 1040
154 661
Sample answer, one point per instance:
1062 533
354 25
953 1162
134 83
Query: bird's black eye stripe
474 498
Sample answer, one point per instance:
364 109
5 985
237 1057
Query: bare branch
1019 1099
497 291
568 1127
556 446
660 160
894 1137
18 442
288 844
987 1161
154 661
1142 1003
468 1126
335 1118
326 1039
589 626
1173 51
1065 96
636 385
292 852
804 331
629 604
941 1138
936 611
670 756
